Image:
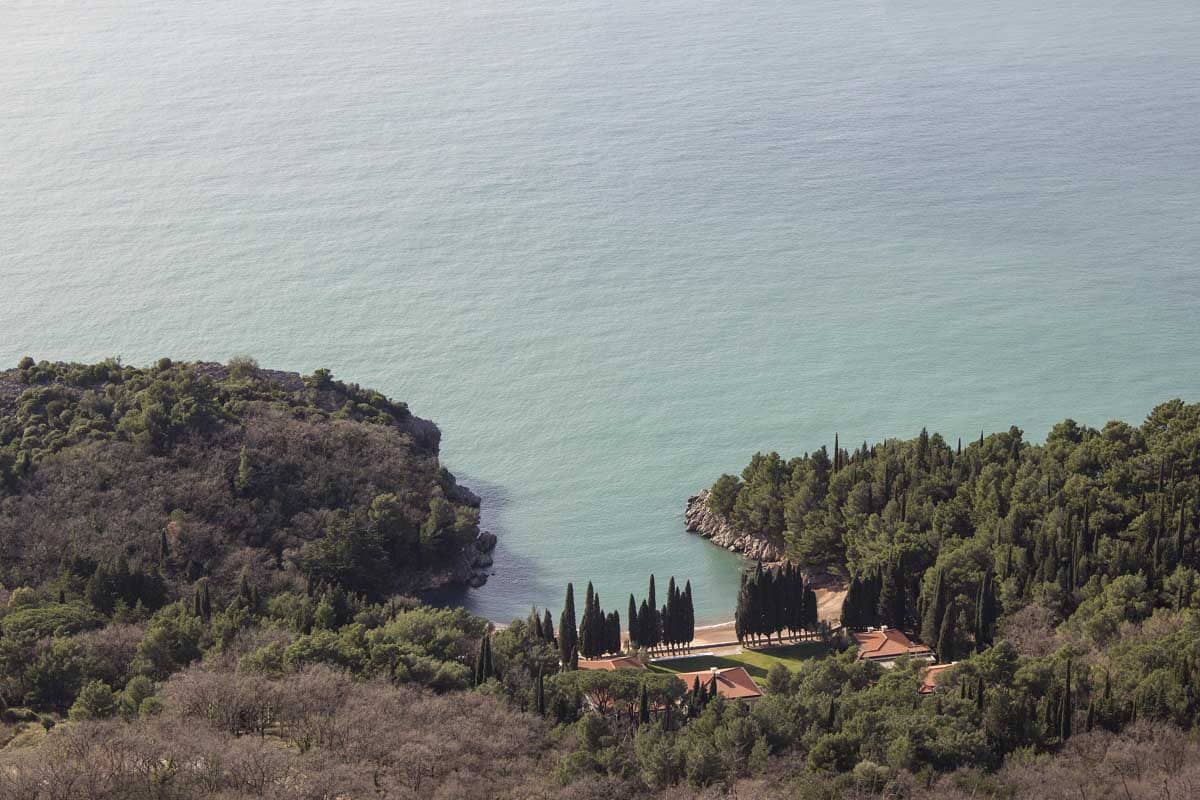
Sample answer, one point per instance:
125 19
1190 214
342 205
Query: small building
885 645
929 679
733 683
611 664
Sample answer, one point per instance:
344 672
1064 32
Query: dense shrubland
149 480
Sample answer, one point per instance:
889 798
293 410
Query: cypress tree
583 643
206 600
567 631
669 618
810 609
892 604
645 625
741 617
653 627
985 612
831 717
535 624
632 621
1064 726
541 695
548 627
779 591
1179 535
935 611
689 625
644 707
945 639
851 615
484 666
164 547
1091 715
979 694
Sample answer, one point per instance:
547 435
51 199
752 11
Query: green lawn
756 662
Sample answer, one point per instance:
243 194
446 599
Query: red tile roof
888 644
610 664
732 682
929 679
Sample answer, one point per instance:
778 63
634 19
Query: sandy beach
829 609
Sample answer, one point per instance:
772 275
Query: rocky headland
699 518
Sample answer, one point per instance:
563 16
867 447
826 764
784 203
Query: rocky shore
699 518
472 568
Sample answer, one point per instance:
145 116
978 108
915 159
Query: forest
207 593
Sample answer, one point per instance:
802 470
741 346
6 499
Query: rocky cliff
700 519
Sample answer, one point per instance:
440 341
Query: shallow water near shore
614 248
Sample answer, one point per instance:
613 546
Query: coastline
700 519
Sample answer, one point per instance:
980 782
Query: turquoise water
613 248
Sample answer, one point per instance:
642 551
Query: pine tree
567 635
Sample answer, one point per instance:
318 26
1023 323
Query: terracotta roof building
733 683
885 645
929 679
610 664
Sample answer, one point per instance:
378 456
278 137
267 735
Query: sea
614 248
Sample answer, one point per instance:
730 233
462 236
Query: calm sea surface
613 248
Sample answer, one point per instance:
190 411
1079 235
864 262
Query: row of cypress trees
598 633
672 626
773 601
